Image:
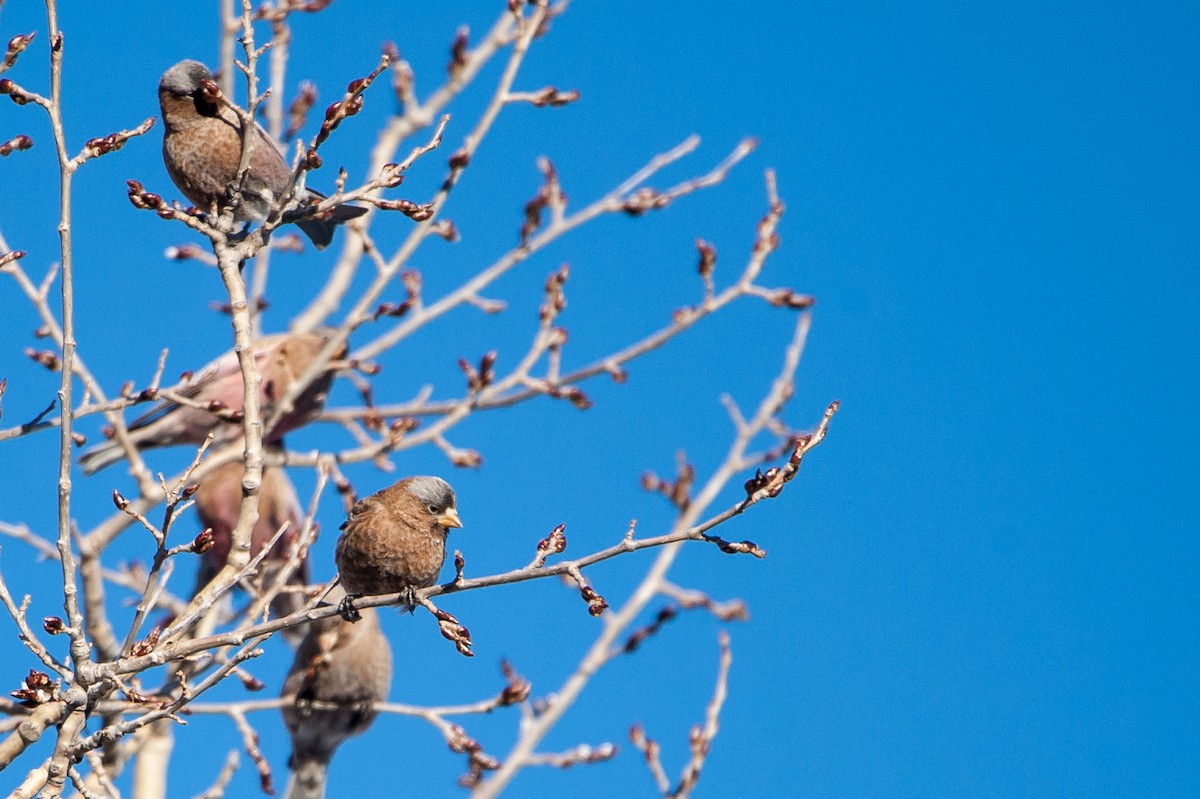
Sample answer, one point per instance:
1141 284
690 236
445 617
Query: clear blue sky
982 584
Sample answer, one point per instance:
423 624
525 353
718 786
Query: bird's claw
347 610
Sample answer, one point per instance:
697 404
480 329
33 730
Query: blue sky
982 584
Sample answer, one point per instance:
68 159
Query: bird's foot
238 236
303 706
347 610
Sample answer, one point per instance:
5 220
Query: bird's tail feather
100 456
319 229
307 780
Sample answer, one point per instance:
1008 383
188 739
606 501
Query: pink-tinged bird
340 663
218 500
281 360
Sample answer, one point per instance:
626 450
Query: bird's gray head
434 493
184 78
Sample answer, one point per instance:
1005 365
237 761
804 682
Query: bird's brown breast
387 547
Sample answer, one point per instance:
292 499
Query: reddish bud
466 459
405 424
10 256
708 258
459 51
787 298
18 142
486 366
579 399
596 603
17 45
54 625
147 644
35 689
46 358
445 228
518 688
556 542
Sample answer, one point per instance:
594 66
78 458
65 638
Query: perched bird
218 500
202 148
395 539
340 663
281 360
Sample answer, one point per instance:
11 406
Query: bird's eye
433 509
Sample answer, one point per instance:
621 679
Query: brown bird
281 360
218 500
395 540
340 663
202 148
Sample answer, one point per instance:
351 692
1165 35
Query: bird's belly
203 167
376 570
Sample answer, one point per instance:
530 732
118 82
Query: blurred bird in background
281 358
338 662
202 148
218 500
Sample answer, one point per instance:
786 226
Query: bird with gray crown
202 149
394 541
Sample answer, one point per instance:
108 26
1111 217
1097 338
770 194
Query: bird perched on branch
395 539
339 663
202 149
218 500
217 391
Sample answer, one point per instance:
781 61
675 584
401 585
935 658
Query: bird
281 359
395 540
337 662
218 499
202 149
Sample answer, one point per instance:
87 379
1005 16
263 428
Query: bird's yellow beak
449 518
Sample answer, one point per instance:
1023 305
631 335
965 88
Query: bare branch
702 737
